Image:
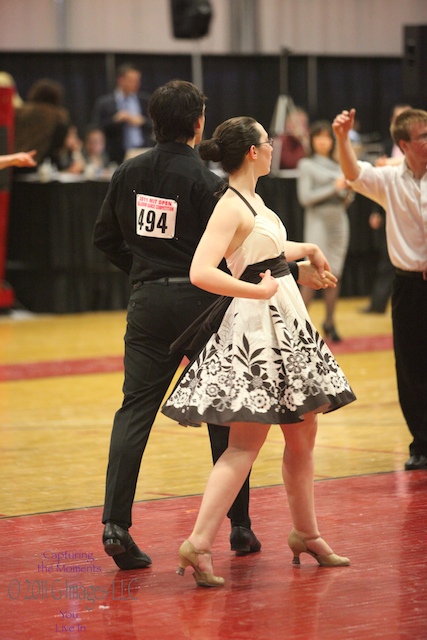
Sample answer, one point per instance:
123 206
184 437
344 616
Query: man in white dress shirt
402 191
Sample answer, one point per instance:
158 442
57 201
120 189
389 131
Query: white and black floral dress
266 363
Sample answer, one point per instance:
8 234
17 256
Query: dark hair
319 127
124 68
230 142
90 128
401 128
174 109
46 90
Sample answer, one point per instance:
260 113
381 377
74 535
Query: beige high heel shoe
298 545
188 557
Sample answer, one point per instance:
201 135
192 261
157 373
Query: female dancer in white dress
266 363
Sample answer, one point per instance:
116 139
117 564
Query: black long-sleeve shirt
136 229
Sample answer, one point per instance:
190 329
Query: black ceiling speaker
191 18
415 62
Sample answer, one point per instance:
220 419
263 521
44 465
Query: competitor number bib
155 217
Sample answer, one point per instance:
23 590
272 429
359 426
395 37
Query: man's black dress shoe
119 544
416 462
244 541
371 310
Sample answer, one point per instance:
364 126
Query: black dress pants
157 314
409 317
384 276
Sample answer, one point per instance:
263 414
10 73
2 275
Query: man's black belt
199 332
164 281
420 275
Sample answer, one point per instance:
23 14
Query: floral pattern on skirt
272 374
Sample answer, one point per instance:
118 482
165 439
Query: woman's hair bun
211 150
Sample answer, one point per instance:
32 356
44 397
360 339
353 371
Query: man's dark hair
174 109
124 68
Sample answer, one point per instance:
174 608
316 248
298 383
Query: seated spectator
68 157
94 153
38 120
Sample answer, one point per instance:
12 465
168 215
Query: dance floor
57 582
60 383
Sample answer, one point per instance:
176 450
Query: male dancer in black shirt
150 223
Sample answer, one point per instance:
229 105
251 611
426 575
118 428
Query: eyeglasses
421 138
269 141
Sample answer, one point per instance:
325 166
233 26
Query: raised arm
347 157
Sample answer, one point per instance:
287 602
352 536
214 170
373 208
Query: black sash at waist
198 333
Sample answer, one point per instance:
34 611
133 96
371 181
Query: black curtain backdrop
371 85
240 85
234 84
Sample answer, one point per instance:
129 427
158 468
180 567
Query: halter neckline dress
266 363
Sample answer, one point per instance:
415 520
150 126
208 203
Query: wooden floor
60 384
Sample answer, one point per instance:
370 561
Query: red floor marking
162 495
362 343
109 364
54 368
56 580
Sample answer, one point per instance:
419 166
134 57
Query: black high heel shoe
331 332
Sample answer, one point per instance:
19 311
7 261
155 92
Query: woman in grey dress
324 194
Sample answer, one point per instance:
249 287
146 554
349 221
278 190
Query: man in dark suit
122 115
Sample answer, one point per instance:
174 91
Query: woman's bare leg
298 477
225 480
